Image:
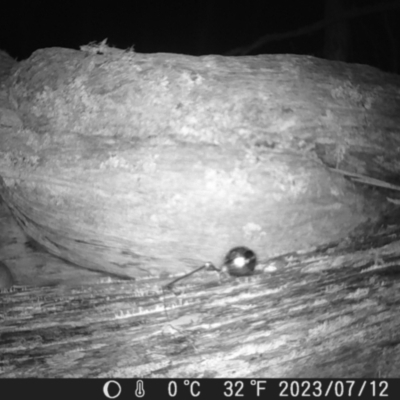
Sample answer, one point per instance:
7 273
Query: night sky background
199 27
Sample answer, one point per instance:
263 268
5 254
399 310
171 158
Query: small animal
6 278
240 261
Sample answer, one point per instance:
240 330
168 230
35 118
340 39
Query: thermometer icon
139 392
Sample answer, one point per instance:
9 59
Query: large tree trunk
140 165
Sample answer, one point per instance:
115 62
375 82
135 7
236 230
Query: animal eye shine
239 262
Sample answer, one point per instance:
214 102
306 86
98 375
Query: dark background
362 31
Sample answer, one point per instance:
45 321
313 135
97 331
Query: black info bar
209 389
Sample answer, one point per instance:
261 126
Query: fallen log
330 313
139 165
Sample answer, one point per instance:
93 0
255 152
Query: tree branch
306 30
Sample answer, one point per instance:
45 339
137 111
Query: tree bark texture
139 165
87 139
330 313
